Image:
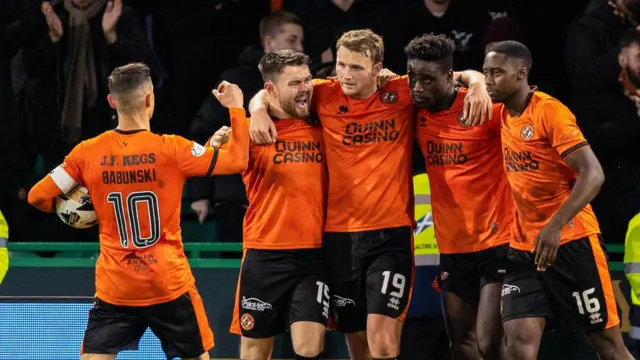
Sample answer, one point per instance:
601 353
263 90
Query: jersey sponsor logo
140 263
197 149
516 161
527 132
389 97
298 152
339 301
462 121
371 132
254 304
445 153
508 289
247 322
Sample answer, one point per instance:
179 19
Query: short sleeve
69 174
561 128
191 158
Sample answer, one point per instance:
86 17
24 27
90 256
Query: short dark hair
274 63
364 42
630 37
125 80
514 50
128 78
272 22
432 48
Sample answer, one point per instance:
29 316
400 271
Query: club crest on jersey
247 322
462 121
197 149
527 132
389 97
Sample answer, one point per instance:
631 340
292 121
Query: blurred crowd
55 57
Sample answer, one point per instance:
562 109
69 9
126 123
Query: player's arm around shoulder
234 157
60 180
477 102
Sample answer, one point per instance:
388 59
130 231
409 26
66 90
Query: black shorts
576 288
466 274
181 325
278 288
369 272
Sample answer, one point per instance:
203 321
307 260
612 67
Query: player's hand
546 246
53 22
477 104
229 95
201 208
636 101
385 76
262 130
220 137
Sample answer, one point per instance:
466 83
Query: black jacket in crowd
212 116
606 116
13 143
44 63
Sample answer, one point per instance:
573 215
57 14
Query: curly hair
432 48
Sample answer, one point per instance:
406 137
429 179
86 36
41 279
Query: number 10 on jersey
129 222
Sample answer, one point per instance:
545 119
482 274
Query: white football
76 209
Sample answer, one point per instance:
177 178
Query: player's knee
383 344
488 346
358 345
255 349
609 345
310 350
519 346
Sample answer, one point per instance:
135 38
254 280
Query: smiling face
429 82
292 91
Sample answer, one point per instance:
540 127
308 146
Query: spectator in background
500 29
464 21
278 30
67 68
607 117
14 33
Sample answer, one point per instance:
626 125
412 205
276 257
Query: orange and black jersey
135 180
535 146
286 185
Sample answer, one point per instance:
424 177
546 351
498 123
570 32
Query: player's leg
525 307
488 323
182 326
309 307
267 278
346 286
389 277
459 283
582 288
111 329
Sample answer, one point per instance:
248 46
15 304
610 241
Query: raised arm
196 160
262 130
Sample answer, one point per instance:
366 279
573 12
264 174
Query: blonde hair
364 42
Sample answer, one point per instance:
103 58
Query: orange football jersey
286 187
535 146
135 180
470 197
369 151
